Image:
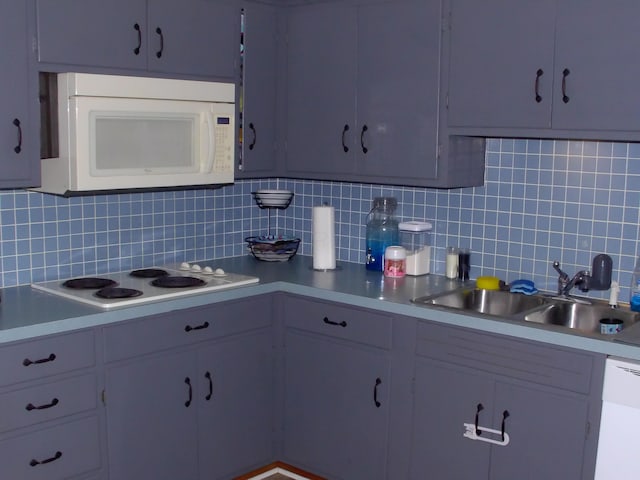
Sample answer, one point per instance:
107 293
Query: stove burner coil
177 282
149 273
118 292
89 283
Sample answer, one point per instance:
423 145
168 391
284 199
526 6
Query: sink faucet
599 279
565 284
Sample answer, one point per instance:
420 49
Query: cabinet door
336 407
497 49
19 165
92 32
257 157
151 418
546 435
322 137
445 398
195 37
597 43
398 88
236 406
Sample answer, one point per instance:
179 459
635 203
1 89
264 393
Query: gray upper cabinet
19 165
363 96
194 37
553 68
257 156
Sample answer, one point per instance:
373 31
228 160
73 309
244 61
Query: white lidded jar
415 237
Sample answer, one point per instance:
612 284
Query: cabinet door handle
31 406
26 362
565 74
479 408
208 377
345 129
505 415
18 147
539 74
330 322
189 328
375 392
159 32
35 462
187 404
136 50
255 137
364 129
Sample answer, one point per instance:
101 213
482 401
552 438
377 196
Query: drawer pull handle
479 408
188 402
505 415
338 324
364 148
539 74
53 403
26 362
210 394
375 392
252 127
344 145
189 328
18 147
565 74
136 50
35 462
159 52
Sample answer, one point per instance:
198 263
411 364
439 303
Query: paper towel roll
324 238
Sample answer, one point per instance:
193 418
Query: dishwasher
617 457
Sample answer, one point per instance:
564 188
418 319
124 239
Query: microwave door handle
210 121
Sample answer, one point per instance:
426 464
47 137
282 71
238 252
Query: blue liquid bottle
382 231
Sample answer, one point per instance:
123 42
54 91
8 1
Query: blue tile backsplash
542 200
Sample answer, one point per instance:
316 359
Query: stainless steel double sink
566 313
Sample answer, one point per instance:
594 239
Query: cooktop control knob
207 270
184 266
219 272
195 268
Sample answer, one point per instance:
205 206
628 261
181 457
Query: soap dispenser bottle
634 300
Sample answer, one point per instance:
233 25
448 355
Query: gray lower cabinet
337 389
496 408
189 394
50 424
363 96
544 69
19 165
194 37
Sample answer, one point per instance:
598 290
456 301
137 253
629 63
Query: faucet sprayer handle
556 267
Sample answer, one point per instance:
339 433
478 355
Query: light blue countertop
27 313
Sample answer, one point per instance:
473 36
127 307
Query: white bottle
634 298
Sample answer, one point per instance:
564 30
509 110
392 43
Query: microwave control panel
224 144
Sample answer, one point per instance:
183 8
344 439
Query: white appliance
124 289
617 458
118 132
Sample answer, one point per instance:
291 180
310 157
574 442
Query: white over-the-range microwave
128 133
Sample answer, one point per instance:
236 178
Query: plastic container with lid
395 261
415 237
381 231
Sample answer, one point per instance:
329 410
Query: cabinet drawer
44 357
529 361
340 321
47 402
52 454
183 327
